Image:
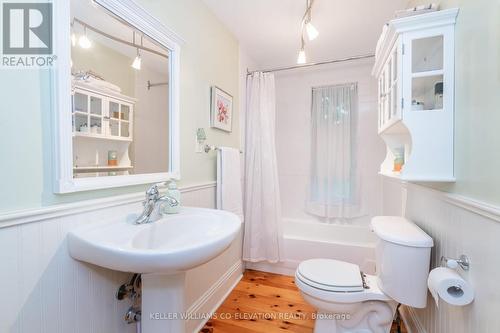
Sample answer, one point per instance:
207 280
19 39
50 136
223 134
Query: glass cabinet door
96 115
427 73
125 121
380 123
394 84
389 90
119 119
80 112
87 113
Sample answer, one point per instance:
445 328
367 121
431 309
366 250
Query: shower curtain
263 231
334 180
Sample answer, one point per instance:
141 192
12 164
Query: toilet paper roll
446 284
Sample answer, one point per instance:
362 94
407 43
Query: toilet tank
402 259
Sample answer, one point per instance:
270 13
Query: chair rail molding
54 211
479 207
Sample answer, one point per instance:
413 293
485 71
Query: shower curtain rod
279 69
151 85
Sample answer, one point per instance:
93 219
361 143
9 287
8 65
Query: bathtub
305 239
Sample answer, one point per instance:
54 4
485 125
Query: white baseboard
410 319
210 301
287 267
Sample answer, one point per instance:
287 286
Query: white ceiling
269 30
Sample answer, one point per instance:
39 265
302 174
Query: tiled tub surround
45 290
458 226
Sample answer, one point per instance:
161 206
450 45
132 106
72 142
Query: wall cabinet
102 122
414 68
102 116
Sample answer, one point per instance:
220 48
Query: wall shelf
100 136
101 167
428 73
414 67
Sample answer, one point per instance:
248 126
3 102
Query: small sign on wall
221 109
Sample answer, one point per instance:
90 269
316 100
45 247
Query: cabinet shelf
392 174
400 177
101 168
100 136
428 73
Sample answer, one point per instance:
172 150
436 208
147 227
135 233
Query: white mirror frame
134 14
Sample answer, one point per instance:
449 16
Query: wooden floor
264 303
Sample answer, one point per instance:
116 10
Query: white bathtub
309 239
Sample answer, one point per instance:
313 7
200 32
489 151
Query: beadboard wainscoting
44 290
458 226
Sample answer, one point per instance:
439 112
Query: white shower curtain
263 230
334 182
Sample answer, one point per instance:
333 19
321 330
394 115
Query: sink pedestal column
163 303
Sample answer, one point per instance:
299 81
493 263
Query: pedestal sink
162 251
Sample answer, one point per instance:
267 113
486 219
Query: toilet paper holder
463 262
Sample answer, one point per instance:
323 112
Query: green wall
477 99
208 57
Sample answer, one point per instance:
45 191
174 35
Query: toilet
349 301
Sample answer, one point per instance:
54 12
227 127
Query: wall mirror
118 97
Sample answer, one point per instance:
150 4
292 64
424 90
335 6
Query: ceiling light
301 59
312 32
137 61
84 41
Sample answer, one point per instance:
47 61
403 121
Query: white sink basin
172 244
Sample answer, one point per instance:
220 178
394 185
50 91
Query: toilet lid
331 275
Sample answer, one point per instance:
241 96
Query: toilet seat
336 282
331 275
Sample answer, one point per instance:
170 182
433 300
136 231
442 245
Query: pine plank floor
264 303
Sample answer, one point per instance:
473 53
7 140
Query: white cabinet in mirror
117 93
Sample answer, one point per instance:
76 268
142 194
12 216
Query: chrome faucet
152 205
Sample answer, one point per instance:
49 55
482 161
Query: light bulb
312 32
301 59
137 62
84 42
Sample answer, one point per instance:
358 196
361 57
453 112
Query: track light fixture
136 64
84 41
312 32
301 59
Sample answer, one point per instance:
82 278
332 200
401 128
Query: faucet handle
152 192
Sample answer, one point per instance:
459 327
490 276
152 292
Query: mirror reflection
120 92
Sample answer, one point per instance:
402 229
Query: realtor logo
27 28
27 35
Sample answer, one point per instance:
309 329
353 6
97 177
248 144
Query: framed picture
221 109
